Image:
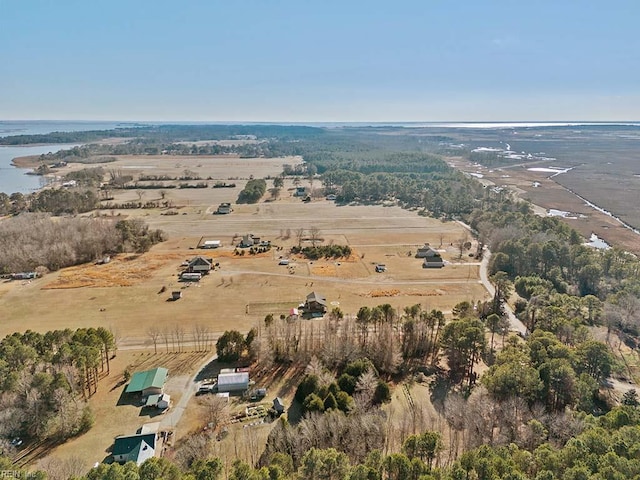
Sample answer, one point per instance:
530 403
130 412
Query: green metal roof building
149 382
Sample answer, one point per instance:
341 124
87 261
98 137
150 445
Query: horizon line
346 122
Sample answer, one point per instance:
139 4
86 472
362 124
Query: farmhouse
134 448
315 302
160 401
210 244
149 382
224 208
233 381
433 262
247 241
426 252
200 265
432 258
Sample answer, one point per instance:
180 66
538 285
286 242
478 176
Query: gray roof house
134 448
315 302
426 252
200 265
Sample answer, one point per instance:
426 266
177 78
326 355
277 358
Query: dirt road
173 417
515 324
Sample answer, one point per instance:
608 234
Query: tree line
253 191
603 447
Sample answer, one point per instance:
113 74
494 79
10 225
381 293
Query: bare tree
314 234
165 334
300 236
179 334
462 244
216 411
154 335
62 469
274 192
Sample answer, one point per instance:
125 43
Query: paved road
515 324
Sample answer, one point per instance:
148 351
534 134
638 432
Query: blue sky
323 60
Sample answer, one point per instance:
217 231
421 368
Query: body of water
38 127
14 179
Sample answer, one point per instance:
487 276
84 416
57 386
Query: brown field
127 294
124 295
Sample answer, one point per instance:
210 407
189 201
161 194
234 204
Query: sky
323 60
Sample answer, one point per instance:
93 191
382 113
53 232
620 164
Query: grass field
124 294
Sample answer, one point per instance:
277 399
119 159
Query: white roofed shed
233 382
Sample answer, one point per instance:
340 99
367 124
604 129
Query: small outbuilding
161 401
149 382
211 244
224 208
278 405
190 277
233 382
176 295
24 276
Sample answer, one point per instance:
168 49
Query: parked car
205 388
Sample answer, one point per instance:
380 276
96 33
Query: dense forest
45 380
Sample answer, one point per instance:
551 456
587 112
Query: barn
233 382
149 382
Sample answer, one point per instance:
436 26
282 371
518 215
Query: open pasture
131 294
